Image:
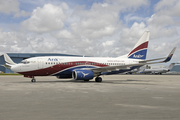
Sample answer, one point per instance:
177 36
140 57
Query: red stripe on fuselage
59 67
142 46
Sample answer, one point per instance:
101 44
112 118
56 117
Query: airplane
85 68
158 70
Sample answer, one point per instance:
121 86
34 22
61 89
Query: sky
100 28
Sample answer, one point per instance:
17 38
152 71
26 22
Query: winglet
8 59
168 58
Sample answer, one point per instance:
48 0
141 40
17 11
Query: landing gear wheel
33 80
98 79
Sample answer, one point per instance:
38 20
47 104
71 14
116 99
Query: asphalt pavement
125 97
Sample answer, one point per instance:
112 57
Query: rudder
140 49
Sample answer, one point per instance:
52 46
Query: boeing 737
85 68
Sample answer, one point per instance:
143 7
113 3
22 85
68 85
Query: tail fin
171 66
140 49
8 60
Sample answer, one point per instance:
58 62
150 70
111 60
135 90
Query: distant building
176 68
18 57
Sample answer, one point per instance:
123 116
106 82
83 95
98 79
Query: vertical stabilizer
8 59
140 49
171 66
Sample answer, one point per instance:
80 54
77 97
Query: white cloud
9 6
168 8
97 22
160 20
131 17
95 30
64 34
131 35
163 49
21 42
46 19
22 13
12 7
12 42
128 5
42 45
108 43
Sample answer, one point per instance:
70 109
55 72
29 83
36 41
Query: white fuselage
54 65
156 71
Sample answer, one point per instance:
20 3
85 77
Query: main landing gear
33 80
98 79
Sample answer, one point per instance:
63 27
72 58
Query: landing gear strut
98 79
33 80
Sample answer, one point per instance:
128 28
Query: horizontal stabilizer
145 61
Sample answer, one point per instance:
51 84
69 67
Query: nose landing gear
29 76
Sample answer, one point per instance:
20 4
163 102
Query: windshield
24 62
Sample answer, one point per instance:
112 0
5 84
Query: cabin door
40 63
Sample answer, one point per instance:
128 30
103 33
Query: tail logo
140 49
141 54
85 74
138 56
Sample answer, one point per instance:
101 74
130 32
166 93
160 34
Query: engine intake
82 74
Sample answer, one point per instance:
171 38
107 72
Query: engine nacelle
83 74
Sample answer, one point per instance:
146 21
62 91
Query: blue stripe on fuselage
68 71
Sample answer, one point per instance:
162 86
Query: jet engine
82 74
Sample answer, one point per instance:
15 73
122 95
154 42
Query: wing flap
109 68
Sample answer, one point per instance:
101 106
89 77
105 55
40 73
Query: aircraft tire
98 79
33 80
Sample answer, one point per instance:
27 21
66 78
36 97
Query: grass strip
9 74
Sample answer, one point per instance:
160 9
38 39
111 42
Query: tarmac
125 97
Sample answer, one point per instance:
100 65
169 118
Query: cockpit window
24 62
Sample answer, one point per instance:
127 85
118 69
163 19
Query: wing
128 66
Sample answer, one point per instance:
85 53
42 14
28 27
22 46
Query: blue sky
89 27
